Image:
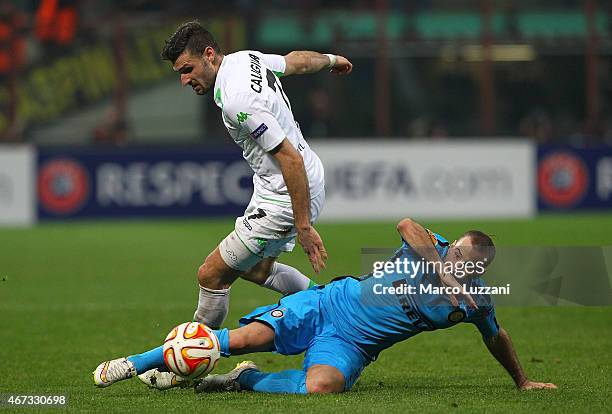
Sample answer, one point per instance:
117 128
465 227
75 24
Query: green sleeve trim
218 97
311 284
278 74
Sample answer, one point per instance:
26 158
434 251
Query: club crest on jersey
456 316
277 313
259 131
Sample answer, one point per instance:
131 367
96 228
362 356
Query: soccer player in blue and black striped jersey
343 326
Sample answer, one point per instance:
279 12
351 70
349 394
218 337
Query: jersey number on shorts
260 214
273 83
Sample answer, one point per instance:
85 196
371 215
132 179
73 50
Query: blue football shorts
300 324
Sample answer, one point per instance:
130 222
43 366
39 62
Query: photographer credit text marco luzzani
411 268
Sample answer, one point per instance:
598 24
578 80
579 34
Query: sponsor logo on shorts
232 255
259 131
247 224
277 313
262 243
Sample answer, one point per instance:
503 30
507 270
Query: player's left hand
532 385
313 247
449 280
342 67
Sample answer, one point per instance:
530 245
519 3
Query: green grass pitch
73 295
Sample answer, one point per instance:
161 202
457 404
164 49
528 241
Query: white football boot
162 380
224 382
110 372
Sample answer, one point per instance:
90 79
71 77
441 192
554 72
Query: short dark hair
483 243
190 36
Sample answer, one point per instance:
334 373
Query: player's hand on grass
342 66
532 385
313 246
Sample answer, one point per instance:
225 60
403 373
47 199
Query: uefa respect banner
137 182
428 179
574 178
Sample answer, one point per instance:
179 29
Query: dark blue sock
148 360
291 381
223 337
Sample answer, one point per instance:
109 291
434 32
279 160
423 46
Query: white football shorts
265 230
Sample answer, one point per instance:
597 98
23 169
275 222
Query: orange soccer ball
191 350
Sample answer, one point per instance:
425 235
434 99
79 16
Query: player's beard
199 89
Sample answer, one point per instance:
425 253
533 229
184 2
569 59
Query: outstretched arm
502 349
304 62
292 167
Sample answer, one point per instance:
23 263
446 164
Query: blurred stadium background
485 99
466 114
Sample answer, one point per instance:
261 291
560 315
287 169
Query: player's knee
203 274
206 271
324 385
214 273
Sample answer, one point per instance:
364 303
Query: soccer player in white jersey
288 181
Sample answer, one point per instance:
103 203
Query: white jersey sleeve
250 114
276 63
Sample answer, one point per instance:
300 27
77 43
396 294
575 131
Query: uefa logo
563 179
63 186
